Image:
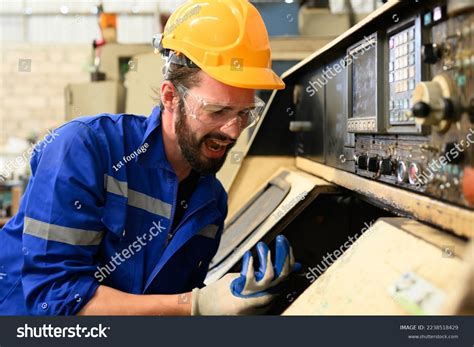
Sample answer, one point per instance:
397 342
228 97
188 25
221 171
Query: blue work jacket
98 210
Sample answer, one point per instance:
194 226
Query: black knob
421 109
386 166
362 162
431 53
448 109
373 164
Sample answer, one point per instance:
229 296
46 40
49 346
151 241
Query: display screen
364 82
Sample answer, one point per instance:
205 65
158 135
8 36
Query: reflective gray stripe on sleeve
147 203
113 185
209 231
71 236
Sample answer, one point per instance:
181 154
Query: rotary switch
436 103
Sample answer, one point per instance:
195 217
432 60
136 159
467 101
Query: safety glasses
221 114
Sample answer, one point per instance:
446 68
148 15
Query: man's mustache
220 137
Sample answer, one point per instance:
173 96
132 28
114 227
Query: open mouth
215 148
215 145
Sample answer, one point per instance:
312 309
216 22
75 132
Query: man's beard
191 147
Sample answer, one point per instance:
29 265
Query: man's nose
232 128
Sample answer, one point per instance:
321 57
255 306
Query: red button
468 185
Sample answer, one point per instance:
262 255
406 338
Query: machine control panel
426 141
404 107
403 75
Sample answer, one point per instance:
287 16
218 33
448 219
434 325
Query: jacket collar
155 156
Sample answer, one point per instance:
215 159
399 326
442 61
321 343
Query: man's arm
249 293
110 301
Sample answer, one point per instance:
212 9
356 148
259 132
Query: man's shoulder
106 128
108 120
100 133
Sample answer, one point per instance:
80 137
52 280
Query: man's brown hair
179 75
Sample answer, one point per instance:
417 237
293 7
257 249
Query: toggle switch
362 162
386 166
373 164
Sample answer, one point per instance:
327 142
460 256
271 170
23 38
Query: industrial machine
365 162
111 65
118 61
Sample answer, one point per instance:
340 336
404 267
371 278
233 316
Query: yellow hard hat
227 39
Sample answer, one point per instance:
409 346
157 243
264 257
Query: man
123 213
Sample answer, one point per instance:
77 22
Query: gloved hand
249 292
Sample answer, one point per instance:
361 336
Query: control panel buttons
386 166
362 162
373 164
402 75
402 172
414 172
362 125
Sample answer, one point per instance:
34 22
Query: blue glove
261 282
249 292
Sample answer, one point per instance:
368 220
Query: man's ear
168 96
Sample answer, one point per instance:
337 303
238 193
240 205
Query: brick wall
32 81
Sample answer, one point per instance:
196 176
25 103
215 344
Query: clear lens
211 113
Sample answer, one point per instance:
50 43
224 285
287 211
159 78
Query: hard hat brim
246 77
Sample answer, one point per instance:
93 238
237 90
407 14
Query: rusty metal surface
453 218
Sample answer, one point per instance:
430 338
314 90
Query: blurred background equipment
111 62
108 95
46 47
